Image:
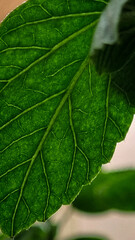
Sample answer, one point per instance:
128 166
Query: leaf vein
117 127
24 48
19 139
12 169
56 47
106 117
31 108
75 145
65 66
50 19
8 195
62 102
48 186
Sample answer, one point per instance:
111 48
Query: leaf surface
59 120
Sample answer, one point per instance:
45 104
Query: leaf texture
59 120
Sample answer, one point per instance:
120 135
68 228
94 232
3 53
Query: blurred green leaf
3 237
115 190
42 231
114 42
89 238
113 48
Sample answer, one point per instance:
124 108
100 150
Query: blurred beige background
6 6
114 225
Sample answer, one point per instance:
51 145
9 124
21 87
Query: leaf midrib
39 148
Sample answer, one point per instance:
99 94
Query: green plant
60 118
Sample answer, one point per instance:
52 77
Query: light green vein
75 145
27 207
51 19
3 81
21 138
80 110
10 66
11 105
45 10
24 48
48 187
117 127
90 81
64 136
36 5
31 108
102 1
37 91
52 121
122 91
56 47
4 42
8 195
106 117
87 161
66 66
12 169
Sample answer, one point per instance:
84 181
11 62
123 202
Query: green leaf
89 238
3 237
113 48
114 190
45 231
59 120
113 42
125 79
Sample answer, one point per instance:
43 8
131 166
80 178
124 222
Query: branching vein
51 19
21 138
39 148
75 145
56 47
31 108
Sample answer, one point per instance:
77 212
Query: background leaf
113 48
59 120
114 190
89 238
113 42
45 231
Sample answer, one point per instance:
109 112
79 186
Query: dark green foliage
88 238
115 190
42 231
118 56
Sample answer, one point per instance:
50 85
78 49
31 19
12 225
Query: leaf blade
54 112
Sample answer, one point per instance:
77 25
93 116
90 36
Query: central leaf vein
52 121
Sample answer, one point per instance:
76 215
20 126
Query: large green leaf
59 121
114 190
